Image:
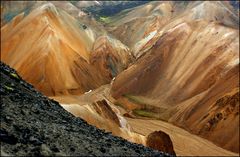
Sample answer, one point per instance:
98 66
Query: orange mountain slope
51 50
185 73
142 25
111 53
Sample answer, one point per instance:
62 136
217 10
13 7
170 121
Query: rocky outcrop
223 108
223 113
159 140
105 111
128 115
33 125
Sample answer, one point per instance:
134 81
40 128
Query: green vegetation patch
147 110
150 114
14 75
118 104
144 113
134 99
105 19
8 88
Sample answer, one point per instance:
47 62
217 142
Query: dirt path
185 144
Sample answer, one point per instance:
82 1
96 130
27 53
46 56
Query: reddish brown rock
161 141
128 115
105 110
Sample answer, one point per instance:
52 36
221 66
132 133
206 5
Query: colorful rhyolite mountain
190 74
184 65
58 54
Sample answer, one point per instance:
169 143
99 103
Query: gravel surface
32 124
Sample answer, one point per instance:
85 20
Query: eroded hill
52 50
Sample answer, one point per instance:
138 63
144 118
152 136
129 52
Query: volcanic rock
159 140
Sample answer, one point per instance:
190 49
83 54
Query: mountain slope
11 9
184 69
33 125
111 53
144 24
51 50
184 73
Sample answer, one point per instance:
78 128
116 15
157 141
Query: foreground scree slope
32 124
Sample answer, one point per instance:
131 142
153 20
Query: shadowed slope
110 56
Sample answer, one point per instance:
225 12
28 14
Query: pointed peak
48 7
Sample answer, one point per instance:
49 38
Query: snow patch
88 92
50 6
97 2
144 41
230 65
123 122
234 62
112 81
81 13
178 26
227 34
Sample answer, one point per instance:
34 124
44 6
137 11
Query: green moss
105 19
8 88
14 75
144 113
150 114
118 104
134 99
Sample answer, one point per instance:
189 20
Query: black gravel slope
32 124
